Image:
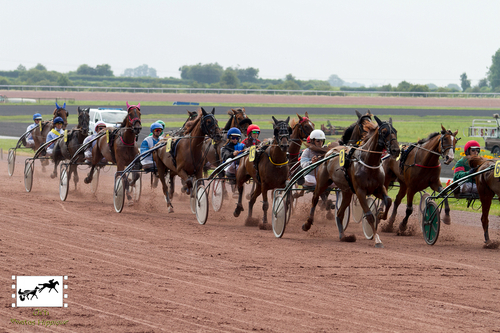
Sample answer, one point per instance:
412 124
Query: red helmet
252 128
471 144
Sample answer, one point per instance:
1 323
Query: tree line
214 75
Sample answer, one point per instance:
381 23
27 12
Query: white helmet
99 123
317 135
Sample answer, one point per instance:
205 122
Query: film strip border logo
40 291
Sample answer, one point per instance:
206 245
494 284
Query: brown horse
238 118
487 187
301 129
40 136
362 175
186 159
417 169
271 173
65 150
122 147
180 132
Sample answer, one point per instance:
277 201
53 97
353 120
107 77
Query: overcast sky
370 42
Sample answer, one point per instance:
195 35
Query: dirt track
145 270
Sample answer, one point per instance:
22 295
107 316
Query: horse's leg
381 193
486 204
96 157
239 185
73 170
253 198
409 209
361 194
346 201
397 202
446 218
161 174
321 185
265 207
56 158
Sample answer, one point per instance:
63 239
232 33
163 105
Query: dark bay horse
65 150
122 147
301 129
187 159
487 187
417 169
363 176
271 173
239 119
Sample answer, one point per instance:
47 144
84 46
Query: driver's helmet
58 120
471 144
233 132
99 124
252 128
37 116
317 135
155 126
161 122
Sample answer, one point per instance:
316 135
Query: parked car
112 117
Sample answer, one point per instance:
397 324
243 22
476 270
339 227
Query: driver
232 148
462 167
37 118
312 155
54 133
149 142
100 125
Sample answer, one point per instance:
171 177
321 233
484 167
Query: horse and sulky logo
40 291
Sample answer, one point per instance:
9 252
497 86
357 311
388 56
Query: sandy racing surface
145 270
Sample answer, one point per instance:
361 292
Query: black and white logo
40 291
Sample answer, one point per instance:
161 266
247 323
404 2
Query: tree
229 79
335 81
63 80
494 71
453 87
208 73
249 74
104 70
464 83
403 86
290 83
85 70
40 67
21 68
483 83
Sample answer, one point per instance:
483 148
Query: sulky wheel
279 215
347 212
421 207
28 174
95 180
119 194
63 184
201 202
431 222
11 159
217 194
367 229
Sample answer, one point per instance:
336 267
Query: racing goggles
255 132
235 137
475 149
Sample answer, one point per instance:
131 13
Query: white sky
370 42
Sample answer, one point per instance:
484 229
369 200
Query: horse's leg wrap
340 227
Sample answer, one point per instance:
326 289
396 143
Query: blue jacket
229 148
52 136
146 145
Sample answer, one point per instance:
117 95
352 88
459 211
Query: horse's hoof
251 222
387 227
86 181
52 175
130 203
265 226
402 227
170 209
446 219
348 238
379 245
306 226
329 216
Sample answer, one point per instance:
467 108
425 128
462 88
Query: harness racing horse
417 169
271 172
300 131
180 132
40 136
487 187
186 159
65 149
362 174
121 148
238 118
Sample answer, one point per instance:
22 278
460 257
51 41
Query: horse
487 187
417 169
51 285
180 132
186 159
40 136
271 172
24 294
239 119
122 147
66 150
301 129
362 175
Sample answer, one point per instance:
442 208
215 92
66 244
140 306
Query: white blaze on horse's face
450 155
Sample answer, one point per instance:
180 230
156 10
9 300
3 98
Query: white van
112 117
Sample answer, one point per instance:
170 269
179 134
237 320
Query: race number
496 174
40 126
107 136
251 157
400 149
168 147
65 135
213 142
342 157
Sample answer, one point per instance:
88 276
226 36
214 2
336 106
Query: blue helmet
155 126
233 132
37 116
58 120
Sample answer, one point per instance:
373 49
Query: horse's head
304 126
191 115
239 119
388 137
134 118
282 133
448 141
61 112
83 120
209 125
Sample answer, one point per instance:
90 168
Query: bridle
280 132
209 127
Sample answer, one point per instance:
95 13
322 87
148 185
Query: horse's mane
228 124
476 161
190 125
368 126
124 122
432 135
294 122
